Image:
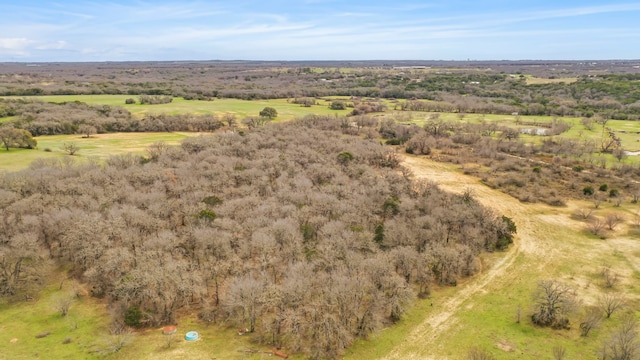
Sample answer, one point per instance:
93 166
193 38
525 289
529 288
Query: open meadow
241 108
36 329
98 147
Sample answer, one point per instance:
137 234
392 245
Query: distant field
99 146
242 108
627 130
103 145
532 80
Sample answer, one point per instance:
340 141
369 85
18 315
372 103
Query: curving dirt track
426 337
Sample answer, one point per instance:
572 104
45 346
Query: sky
132 30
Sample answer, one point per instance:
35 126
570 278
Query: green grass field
87 326
242 108
100 146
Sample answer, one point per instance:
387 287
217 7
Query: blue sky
318 30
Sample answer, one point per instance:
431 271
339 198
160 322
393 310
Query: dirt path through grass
530 241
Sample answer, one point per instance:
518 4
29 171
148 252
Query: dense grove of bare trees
307 237
42 118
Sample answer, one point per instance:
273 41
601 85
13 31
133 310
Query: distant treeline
613 96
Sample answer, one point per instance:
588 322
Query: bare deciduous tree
156 149
476 353
590 320
63 303
554 300
597 200
559 352
596 226
244 299
230 119
611 302
612 220
115 342
87 130
623 343
70 148
584 213
610 277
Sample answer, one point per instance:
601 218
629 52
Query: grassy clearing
99 146
85 325
215 343
532 80
242 108
7 119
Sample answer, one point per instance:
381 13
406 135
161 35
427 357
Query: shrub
379 234
603 187
613 193
588 190
207 215
308 232
269 112
394 142
212 200
132 317
337 105
345 157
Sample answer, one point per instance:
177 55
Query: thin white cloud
15 46
137 13
586 10
495 19
354 14
57 45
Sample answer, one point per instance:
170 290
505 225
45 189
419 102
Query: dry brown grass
541 81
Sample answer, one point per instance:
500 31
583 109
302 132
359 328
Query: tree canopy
16 138
269 112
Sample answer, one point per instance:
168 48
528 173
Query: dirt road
529 240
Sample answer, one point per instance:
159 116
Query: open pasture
100 146
36 329
287 110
